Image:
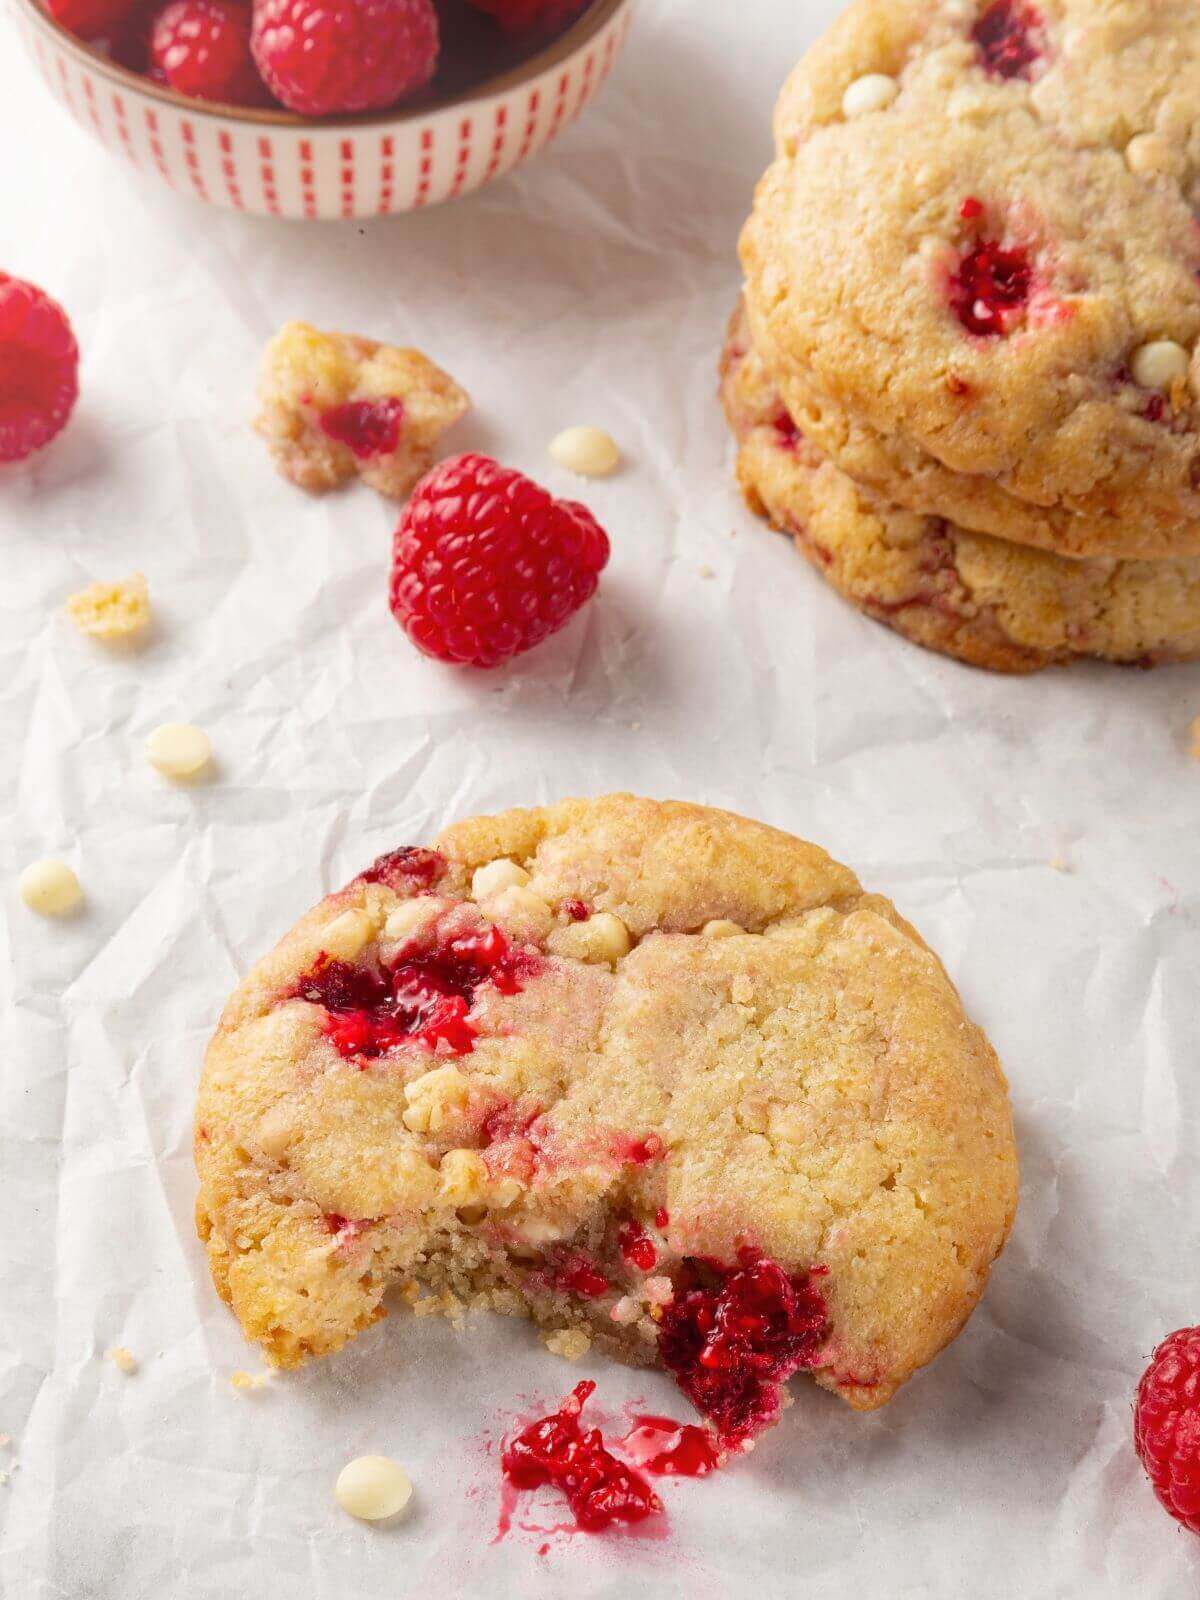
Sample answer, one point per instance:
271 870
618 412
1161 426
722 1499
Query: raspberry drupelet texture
1166 1425
39 369
518 15
88 19
991 288
320 57
201 48
1008 36
486 564
556 1450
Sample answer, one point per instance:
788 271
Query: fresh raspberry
486 564
1166 1425
202 50
88 19
324 56
39 369
518 15
129 43
1009 38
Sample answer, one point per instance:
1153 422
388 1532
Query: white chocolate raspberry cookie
982 600
335 407
739 1152
979 294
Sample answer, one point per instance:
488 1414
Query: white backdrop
593 287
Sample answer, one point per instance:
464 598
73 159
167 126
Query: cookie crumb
1194 740
112 610
124 1360
569 1343
372 1488
243 1381
1060 864
706 571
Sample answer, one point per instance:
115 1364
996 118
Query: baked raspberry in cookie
335 406
982 600
1007 336
731 1121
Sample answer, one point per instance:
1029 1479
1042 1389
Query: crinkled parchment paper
591 287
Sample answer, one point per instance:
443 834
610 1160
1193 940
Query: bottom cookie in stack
1004 606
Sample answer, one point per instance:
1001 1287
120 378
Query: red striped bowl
278 165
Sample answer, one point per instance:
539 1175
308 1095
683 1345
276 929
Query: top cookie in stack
973 269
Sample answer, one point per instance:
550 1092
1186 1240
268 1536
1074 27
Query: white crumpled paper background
592 287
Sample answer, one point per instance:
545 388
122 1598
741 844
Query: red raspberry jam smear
1010 39
557 1451
662 1217
576 910
733 1335
367 427
405 869
991 289
423 998
672 1449
637 1247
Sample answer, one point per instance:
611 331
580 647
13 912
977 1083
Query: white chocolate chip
602 938
124 1360
464 1177
1148 154
873 92
179 750
496 877
721 928
412 917
658 1291
434 1099
521 912
590 452
348 935
1160 364
50 888
372 1488
276 1130
569 1343
626 1311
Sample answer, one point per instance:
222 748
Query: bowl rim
568 43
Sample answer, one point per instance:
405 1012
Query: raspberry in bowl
213 97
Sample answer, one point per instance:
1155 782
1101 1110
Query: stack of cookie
963 376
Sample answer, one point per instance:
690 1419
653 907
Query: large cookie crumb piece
335 406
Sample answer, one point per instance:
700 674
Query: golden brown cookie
973 265
649 1073
982 600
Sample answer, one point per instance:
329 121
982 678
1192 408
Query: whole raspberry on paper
486 564
201 48
324 56
518 15
1166 1425
39 369
88 19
